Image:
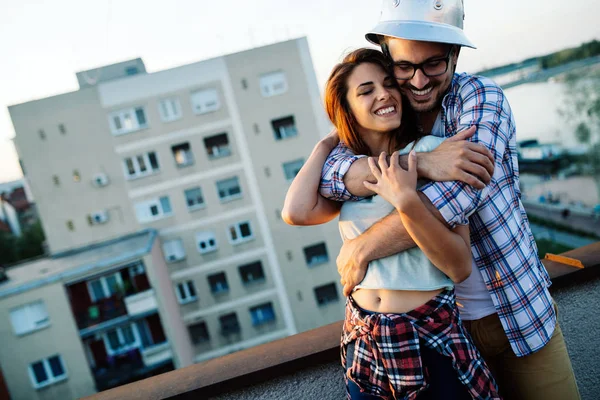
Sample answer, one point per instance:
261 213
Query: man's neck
427 119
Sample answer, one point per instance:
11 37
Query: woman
402 336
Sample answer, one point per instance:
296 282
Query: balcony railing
141 303
121 369
101 311
255 368
157 354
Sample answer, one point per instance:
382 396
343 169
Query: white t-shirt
473 298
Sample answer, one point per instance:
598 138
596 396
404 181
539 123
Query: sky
43 43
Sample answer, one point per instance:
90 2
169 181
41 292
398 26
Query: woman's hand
395 184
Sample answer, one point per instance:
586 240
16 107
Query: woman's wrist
407 201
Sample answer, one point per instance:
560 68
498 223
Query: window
131 71
128 120
186 292
218 283
169 109
316 254
252 272
284 128
29 318
217 146
291 169
229 189
262 314
47 371
183 154
141 165
173 250
205 101
273 84
229 324
194 198
326 294
122 339
207 243
105 286
62 129
240 232
152 210
199 332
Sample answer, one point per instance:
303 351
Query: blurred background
146 148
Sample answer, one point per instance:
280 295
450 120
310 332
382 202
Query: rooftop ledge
307 350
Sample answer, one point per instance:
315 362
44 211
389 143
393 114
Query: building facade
89 319
203 154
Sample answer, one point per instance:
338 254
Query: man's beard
423 108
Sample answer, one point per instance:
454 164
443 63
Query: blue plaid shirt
502 244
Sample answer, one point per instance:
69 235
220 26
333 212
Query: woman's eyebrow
365 84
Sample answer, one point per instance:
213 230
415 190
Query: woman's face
374 99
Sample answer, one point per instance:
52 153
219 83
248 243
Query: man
505 302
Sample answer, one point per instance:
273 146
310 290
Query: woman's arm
449 250
303 204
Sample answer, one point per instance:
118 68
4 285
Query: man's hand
350 265
457 159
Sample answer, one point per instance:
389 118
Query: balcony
141 303
157 354
133 366
100 312
307 366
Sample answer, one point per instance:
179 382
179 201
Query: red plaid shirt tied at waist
387 360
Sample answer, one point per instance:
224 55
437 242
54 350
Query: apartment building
203 154
89 319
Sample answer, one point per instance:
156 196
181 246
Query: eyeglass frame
419 66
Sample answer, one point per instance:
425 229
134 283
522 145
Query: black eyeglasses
431 68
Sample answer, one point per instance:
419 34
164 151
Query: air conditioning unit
99 217
101 180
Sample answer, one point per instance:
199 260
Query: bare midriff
392 301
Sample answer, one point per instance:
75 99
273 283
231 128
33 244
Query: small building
89 319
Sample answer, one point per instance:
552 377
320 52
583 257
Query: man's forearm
359 172
384 238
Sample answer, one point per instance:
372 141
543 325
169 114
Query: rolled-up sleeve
338 162
484 106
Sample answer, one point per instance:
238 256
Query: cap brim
420 31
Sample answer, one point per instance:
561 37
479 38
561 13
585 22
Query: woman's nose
383 94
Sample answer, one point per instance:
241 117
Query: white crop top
407 270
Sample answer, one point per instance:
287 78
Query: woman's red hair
338 108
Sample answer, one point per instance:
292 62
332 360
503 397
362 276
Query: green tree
582 112
29 245
7 248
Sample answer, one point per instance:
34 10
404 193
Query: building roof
76 263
